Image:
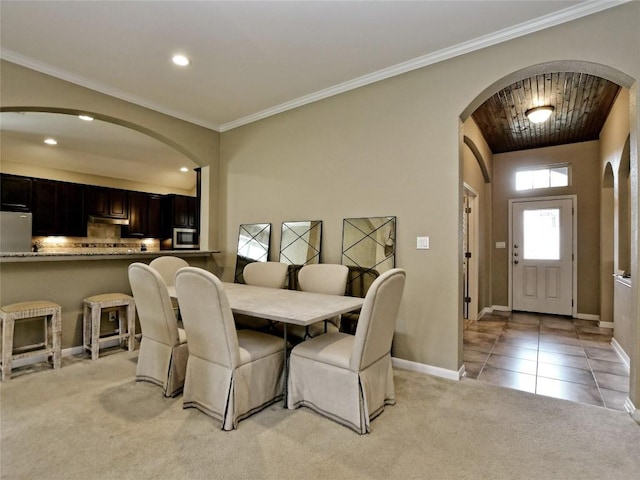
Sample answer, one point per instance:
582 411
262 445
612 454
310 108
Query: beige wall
613 138
393 148
585 184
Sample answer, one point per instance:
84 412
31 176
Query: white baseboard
500 308
484 311
621 353
630 407
605 325
66 352
428 369
587 316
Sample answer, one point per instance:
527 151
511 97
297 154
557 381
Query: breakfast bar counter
87 254
68 278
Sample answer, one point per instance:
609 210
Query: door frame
574 246
474 248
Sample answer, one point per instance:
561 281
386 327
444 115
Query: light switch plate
422 243
501 245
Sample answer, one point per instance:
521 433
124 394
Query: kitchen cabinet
63 208
145 215
16 193
58 208
180 212
108 203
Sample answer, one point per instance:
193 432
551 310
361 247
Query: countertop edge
48 257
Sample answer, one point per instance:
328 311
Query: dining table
285 306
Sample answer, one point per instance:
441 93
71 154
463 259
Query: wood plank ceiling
581 105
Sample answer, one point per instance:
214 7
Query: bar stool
93 308
52 313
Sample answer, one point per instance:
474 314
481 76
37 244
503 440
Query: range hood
109 220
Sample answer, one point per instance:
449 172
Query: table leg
286 365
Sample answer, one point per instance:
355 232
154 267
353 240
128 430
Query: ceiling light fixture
539 114
50 141
181 60
86 118
184 169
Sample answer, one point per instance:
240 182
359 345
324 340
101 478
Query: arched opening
600 262
99 150
624 210
105 118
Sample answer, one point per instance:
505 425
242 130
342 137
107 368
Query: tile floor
547 355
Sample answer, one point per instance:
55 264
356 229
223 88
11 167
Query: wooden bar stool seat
93 309
51 346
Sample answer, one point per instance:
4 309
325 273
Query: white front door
542 256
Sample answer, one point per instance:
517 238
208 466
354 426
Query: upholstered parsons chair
327 278
262 274
167 267
163 350
349 378
230 374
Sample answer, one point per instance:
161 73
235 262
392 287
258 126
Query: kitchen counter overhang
14 257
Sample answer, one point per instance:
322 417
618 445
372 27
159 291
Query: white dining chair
167 266
230 374
163 349
262 274
330 279
266 274
349 378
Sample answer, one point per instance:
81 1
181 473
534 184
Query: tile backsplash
101 238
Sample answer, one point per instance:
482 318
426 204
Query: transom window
542 177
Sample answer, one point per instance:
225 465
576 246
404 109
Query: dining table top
283 305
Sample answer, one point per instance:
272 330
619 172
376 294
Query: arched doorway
496 244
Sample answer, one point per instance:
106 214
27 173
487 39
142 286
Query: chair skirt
229 395
163 365
348 397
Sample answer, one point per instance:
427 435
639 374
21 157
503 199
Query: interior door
469 254
542 256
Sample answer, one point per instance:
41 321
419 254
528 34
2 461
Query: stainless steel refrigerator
15 232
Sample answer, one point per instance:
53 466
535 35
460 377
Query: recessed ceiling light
86 118
181 60
184 169
50 141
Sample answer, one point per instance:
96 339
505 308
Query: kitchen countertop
6 257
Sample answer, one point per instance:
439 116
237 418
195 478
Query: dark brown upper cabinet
108 203
16 193
180 212
58 208
144 215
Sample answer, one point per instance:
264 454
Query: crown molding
583 9
47 69
571 13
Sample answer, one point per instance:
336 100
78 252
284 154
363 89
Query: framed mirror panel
253 246
300 242
368 249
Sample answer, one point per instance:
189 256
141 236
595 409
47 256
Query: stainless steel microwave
186 238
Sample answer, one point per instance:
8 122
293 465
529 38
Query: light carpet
91 420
